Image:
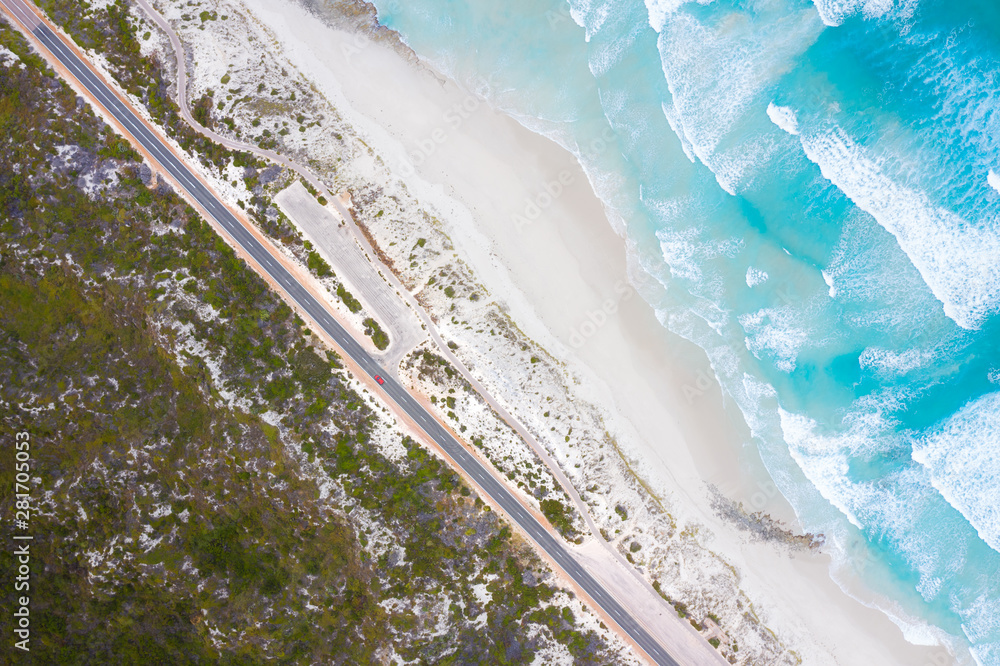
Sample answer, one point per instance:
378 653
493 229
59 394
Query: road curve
182 102
170 163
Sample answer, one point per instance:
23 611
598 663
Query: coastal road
643 600
209 201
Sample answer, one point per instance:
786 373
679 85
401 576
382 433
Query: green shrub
318 265
555 512
353 304
375 332
253 526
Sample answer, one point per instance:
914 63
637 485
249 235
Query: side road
607 563
68 61
337 244
346 217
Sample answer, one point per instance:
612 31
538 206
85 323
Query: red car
379 379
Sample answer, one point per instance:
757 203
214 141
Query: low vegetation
375 332
175 403
353 304
531 476
556 513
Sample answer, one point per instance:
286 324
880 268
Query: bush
556 513
318 265
245 537
375 332
202 111
353 304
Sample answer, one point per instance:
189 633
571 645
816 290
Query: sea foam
660 10
823 460
993 180
955 258
890 364
756 276
961 456
901 506
716 71
783 117
752 92
780 332
835 12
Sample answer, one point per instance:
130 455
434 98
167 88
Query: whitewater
809 191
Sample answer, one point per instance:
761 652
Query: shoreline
468 177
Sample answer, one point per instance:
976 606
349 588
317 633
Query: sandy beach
525 220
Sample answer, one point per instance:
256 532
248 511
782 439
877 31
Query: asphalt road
170 163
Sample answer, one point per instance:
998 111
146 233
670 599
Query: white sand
478 168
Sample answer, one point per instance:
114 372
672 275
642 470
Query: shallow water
814 188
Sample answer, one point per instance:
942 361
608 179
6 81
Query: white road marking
172 164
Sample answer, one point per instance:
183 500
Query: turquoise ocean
810 190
